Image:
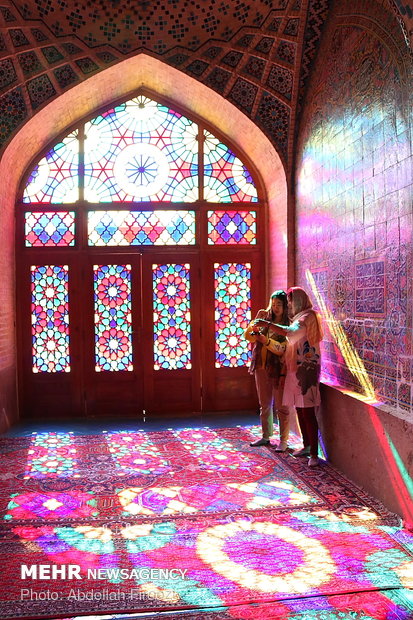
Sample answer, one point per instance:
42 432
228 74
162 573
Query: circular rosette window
141 170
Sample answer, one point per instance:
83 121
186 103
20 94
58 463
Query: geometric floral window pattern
113 326
124 228
171 316
232 313
50 318
53 228
55 179
232 227
119 176
139 151
226 179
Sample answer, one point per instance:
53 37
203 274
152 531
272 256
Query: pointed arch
100 90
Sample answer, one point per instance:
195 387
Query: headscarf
303 307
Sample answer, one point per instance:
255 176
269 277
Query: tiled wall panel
354 211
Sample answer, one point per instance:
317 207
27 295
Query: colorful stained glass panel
55 178
141 151
232 227
56 229
232 313
113 328
115 228
171 316
226 178
50 318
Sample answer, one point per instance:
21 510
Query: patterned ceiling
256 53
157 26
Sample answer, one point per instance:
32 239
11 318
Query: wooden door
49 336
233 284
139 332
130 337
112 335
171 349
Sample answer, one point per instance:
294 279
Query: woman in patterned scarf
303 367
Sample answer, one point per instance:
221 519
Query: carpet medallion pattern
190 519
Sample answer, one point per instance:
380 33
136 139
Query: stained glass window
226 178
139 174
141 151
232 313
50 318
106 228
171 316
55 178
113 328
232 227
55 228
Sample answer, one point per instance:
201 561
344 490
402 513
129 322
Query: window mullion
201 161
81 175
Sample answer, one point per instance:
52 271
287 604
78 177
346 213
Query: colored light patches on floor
216 546
213 452
137 474
154 501
136 453
192 499
89 547
169 473
272 493
51 455
260 540
51 506
282 557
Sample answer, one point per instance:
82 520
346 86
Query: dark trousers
309 428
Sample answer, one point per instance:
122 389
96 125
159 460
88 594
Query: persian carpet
189 519
384 605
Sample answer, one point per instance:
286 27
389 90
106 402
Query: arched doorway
139 257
